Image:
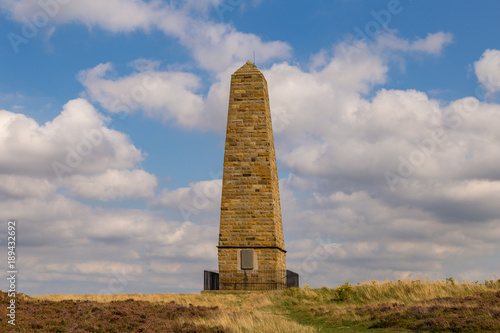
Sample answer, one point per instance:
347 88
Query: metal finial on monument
254 58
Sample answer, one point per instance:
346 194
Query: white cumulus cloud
161 95
487 70
215 46
199 197
113 184
76 141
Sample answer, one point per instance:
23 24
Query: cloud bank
376 183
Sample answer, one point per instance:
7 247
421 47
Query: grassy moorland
402 306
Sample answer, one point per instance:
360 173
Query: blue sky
385 116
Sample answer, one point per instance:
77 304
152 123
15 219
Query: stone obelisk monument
251 245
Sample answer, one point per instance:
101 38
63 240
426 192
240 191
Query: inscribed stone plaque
246 259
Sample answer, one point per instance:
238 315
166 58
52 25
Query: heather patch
116 316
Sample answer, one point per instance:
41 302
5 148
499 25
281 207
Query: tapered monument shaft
251 245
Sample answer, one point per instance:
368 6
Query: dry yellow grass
323 304
241 312
323 309
410 291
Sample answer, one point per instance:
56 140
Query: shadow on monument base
211 282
